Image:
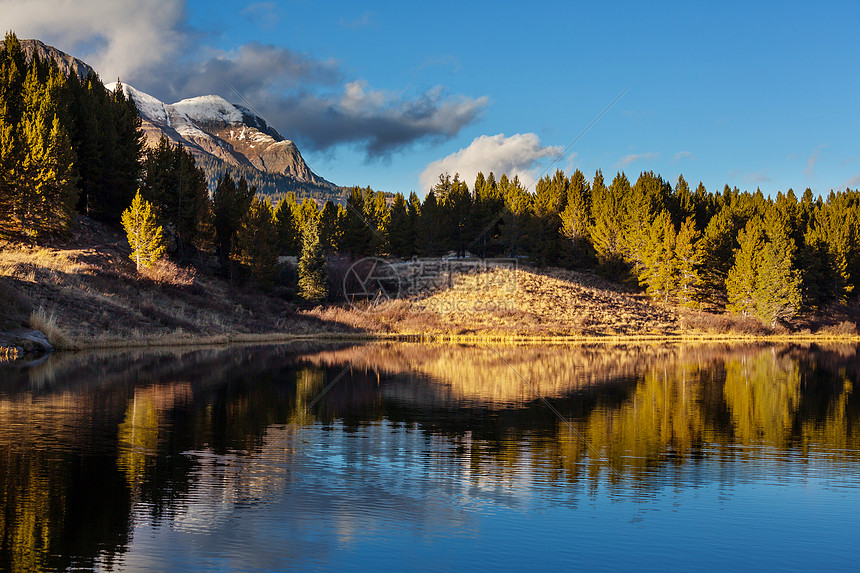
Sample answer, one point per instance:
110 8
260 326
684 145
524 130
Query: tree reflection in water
94 444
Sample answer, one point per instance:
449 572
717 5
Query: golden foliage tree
145 236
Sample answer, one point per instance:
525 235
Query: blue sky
379 93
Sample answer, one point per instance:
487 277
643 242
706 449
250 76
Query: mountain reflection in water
102 451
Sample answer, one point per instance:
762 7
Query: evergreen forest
68 146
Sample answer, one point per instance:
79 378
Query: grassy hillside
552 302
85 292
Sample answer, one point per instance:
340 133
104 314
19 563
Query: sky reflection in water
433 457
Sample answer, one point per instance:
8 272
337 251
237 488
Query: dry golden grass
710 323
86 293
45 321
503 303
844 328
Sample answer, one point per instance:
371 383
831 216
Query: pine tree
357 232
687 261
828 248
705 206
576 214
12 72
46 177
256 241
306 213
328 228
458 210
84 132
516 216
377 217
646 199
487 211
441 235
128 167
608 218
34 135
285 226
683 201
400 235
716 252
413 214
177 189
742 279
145 236
658 269
101 204
550 199
230 202
778 281
575 222
428 242
312 275
56 183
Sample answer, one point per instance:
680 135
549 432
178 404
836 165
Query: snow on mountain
149 107
212 126
209 108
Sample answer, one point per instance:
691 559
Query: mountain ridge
222 136
211 125
65 62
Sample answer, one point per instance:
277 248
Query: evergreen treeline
766 257
65 144
69 144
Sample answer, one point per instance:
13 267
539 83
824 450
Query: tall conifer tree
256 241
312 275
742 280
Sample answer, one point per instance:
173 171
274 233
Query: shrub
844 328
165 272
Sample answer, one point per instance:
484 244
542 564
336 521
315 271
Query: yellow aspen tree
145 236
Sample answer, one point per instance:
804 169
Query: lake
395 456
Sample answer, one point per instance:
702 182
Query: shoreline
173 341
87 295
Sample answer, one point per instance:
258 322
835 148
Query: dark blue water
393 457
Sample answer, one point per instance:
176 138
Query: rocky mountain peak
211 125
67 64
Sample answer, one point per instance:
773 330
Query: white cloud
151 46
812 160
117 38
750 177
683 155
264 14
515 155
634 157
362 21
570 166
854 182
377 121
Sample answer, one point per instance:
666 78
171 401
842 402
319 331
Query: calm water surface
403 456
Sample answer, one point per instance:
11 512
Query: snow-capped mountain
210 125
222 136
